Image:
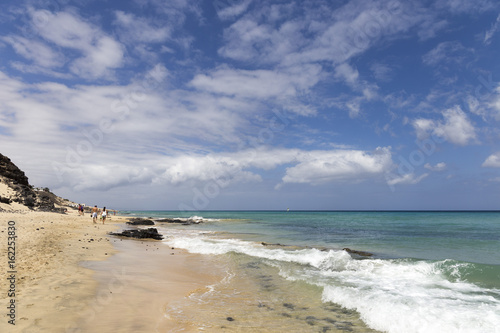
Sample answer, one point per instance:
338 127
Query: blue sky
244 104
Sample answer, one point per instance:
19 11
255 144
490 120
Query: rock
139 233
140 221
178 220
359 253
11 171
5 200
23 193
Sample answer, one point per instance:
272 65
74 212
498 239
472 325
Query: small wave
397 295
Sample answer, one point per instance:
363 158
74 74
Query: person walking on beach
104 214
94 213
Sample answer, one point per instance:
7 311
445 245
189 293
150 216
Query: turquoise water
430 271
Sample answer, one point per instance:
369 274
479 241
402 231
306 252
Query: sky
247 104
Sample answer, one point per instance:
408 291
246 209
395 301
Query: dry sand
57 291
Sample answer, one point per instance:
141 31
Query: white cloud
319 167
476 107
423 127
493 30
354 107
99 53
320 34
249 39
408 179
438 167
38 52
347 73
284 86
381 72
494 103
228 10
446 52
105 171
455 128
493 161
466 6
104 55
136 29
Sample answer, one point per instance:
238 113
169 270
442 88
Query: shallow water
254 298
430 272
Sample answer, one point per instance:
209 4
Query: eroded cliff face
19 189
22 192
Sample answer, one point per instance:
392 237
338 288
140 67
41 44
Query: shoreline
61 262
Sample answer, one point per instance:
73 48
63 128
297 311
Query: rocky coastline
20 191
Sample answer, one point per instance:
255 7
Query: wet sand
142 281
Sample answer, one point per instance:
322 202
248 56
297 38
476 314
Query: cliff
15 188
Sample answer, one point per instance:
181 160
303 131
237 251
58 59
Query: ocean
286 271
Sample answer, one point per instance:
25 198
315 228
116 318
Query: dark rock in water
139 233
178 220
140 221
359 253
271 244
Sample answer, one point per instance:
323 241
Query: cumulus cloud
325 166
456 127
493 161
223 169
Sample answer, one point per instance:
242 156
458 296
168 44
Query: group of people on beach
95 212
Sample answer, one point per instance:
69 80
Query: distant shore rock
183 221
359 253
139 233
140 221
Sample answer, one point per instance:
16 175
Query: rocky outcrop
140 221
11 175
10 171
183 221
24 193
359 253
139 233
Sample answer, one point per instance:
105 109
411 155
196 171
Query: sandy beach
68 276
